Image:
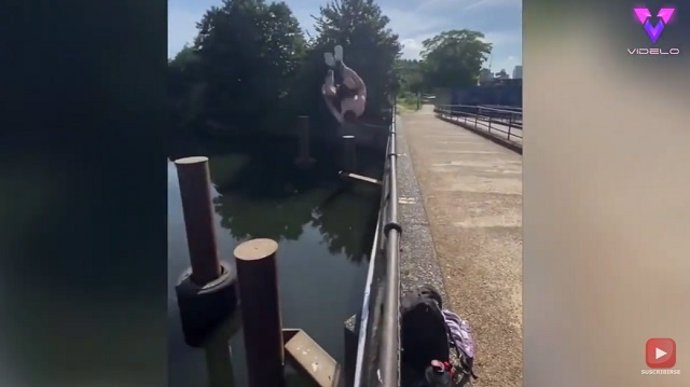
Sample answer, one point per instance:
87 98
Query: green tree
185 89
454 58
371 48
248 51
410 76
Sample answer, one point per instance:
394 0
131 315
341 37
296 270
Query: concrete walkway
472 195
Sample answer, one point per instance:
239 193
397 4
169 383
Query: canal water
324 229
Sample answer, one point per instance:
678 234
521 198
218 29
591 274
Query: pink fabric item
460 332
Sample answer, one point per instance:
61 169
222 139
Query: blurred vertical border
606 193
82 193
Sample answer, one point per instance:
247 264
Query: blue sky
412 20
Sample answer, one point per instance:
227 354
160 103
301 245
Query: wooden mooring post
206 293
258 288
304 158
267 344
193 175
349 163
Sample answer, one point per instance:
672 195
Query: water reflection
218 353
324 229
337 222
269 198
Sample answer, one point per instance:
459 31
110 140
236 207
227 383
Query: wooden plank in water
311 359
355 176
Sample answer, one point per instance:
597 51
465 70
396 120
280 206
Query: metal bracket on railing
392 226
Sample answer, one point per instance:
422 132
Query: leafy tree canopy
248 51
454 58
410 76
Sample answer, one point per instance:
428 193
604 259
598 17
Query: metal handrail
516 110
378 349
390 351
486 118
503 107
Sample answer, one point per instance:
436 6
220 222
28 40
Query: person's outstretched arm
329 93
334 111
328 88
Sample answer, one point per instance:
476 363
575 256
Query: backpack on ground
428 332
423 332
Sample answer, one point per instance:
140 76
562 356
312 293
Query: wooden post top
256 249
191 160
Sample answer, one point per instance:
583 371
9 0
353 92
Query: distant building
517 72
502 75
501 92
485 76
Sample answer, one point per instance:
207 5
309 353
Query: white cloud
465 5
482 4
415 25
443 4
409 24
503 38
412 48
507 64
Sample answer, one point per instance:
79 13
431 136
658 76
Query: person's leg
333 105
329 59
338 53
339 64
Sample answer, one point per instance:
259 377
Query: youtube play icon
661 353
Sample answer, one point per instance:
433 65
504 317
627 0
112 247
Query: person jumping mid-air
346 100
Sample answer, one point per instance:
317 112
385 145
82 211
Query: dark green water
324 231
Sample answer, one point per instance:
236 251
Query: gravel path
463 234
